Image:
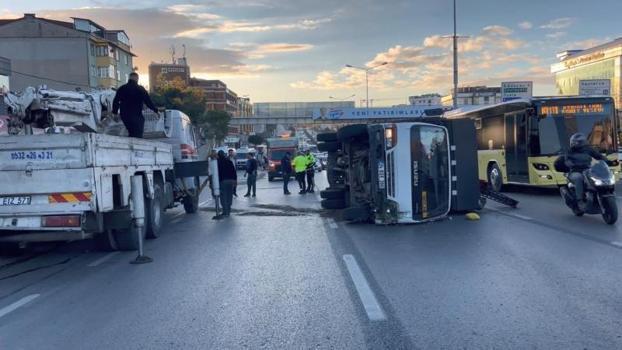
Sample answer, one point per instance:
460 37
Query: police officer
300 167
310 172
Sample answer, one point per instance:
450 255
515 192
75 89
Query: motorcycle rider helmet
578 140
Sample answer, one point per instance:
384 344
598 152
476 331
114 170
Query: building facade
219 97
599 62
163 73
425 100
296 109
245 107
474 95
65 55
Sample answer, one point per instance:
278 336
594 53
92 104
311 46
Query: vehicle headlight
608 182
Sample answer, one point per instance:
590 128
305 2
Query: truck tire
350 132
270 178
331 146
333 203
326 137
191 203
356 214
154 213
495 178
106 241
333 193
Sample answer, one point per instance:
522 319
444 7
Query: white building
474 95
425 100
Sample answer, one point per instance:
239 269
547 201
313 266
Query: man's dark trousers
135 127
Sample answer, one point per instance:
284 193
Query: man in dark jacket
286 169
130 99
251 175
577 160
228 179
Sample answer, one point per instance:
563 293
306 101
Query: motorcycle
599 190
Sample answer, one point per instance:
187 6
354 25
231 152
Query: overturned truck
402 172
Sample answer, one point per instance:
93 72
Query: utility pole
455 38
367 69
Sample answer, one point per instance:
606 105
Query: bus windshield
558 122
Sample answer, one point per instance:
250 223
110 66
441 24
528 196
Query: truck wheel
154 213
326 137
333 203
358 214
270 178
333 193
191 203
106 241
350 132
495 178
331 146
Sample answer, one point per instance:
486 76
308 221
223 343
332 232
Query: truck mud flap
192 169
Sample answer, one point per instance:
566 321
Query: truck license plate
15 200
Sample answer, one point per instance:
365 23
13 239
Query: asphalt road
281 273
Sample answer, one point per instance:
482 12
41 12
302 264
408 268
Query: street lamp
455 38
341 99
366 70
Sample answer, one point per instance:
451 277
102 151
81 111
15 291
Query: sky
296 50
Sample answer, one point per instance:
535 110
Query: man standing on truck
251 175
228 179
286 169
300 167
130 98
310 172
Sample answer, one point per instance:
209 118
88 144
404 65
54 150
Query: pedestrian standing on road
228 180
214 182
286 169
251 175
130 98
300 167
231 156
310 172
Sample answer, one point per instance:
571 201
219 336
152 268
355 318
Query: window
106 72
126 57
118 75
93 50
116 55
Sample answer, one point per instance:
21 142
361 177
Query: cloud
427 68
584 44
556 35
558 23
250 27
525 25
497 30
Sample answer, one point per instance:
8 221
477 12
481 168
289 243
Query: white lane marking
332 224
617 244
23 301
102 259
178 215
518 216
203 203
370 303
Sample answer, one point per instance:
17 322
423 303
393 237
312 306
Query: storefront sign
584 59
595 87
513 90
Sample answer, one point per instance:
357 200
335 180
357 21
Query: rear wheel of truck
331 146
326 137
191 202
106 241
154 213
333 203
350 132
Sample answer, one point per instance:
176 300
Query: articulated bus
518 141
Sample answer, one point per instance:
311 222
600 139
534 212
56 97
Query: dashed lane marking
368 298
102 259
203 203
616 243
16 305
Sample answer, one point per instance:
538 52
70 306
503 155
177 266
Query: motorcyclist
577 160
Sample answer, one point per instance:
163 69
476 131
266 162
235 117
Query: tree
215 123
256 139
176 95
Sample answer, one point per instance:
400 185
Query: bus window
492 133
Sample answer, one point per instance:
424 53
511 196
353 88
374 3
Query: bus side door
516 135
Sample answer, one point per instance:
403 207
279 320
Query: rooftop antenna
184 53
172 52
